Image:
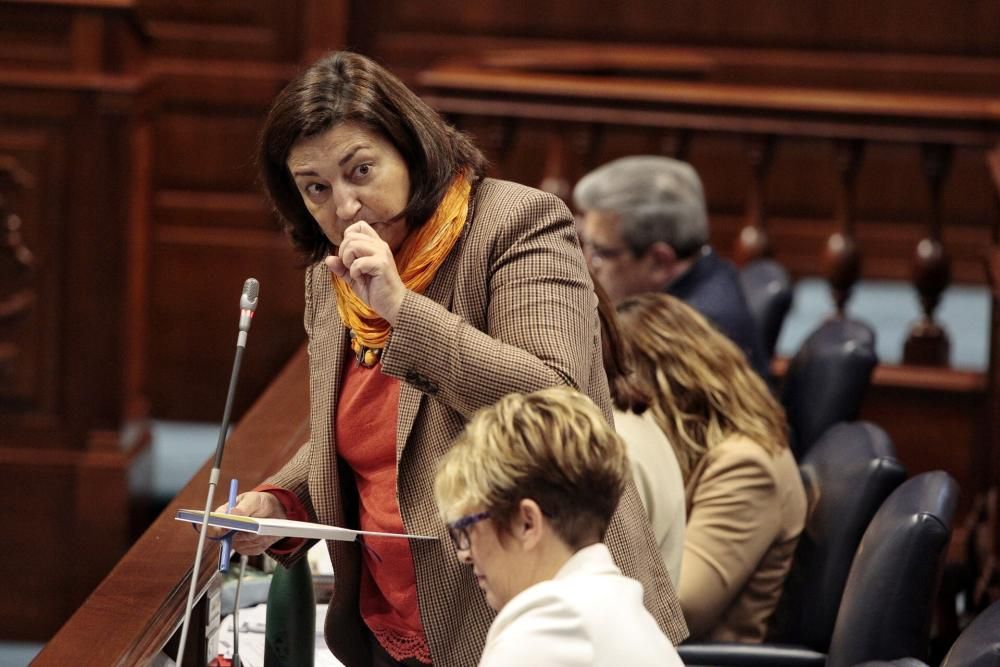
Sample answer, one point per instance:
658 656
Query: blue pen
227 544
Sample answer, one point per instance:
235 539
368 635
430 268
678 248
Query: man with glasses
645 229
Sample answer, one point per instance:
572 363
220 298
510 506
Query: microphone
248 306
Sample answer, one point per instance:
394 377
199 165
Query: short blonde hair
706 390
553 446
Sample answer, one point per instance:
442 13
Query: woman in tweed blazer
510 308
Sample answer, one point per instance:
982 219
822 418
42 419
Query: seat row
864 579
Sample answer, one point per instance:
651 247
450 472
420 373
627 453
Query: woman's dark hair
347 87
628 391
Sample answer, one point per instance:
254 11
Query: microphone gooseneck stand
237 662
248 304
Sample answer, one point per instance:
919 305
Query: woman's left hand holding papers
253 503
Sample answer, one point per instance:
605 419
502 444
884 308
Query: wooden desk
135 611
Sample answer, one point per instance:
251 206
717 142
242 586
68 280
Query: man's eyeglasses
600 253
459 529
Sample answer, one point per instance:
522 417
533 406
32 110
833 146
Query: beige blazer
746 510
511 309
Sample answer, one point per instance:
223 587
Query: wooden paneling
900 25
258 29
73 436
29 275
197 277
753 38
216 67
211 230
937 419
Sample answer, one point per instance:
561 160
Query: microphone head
248 300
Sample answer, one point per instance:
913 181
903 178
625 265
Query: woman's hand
365 261
252 503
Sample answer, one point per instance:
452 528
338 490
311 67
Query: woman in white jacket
528 491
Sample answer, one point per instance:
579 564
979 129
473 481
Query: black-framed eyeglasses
459 529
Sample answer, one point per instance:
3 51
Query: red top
365 427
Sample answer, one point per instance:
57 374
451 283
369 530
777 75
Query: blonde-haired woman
745 502
528 491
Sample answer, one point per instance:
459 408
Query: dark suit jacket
511 309
712 287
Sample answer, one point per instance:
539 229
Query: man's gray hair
657 199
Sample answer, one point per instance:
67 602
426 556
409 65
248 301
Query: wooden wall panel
37 36
217 67
223 141
34 604
30 222
197 277
211 230
263 30
935 429
409 35
73 435
904 25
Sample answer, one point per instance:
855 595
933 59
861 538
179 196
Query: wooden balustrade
820 178
545 98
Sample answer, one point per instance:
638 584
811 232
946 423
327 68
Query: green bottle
290 633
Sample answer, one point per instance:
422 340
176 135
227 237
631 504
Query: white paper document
252 625
284 527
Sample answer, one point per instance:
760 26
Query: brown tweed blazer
511 309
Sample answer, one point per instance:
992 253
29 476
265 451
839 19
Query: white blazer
589 614
658 479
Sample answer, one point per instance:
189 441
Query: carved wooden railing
502 96
549 115
136 611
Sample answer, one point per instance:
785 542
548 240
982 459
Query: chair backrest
826 380
979 644
885 613
768 290
847 475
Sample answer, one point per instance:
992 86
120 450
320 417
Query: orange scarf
422 254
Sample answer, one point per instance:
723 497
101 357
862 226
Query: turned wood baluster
675 144
753 241
841 258
993 164
497 142
570 150
927 343
554 178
